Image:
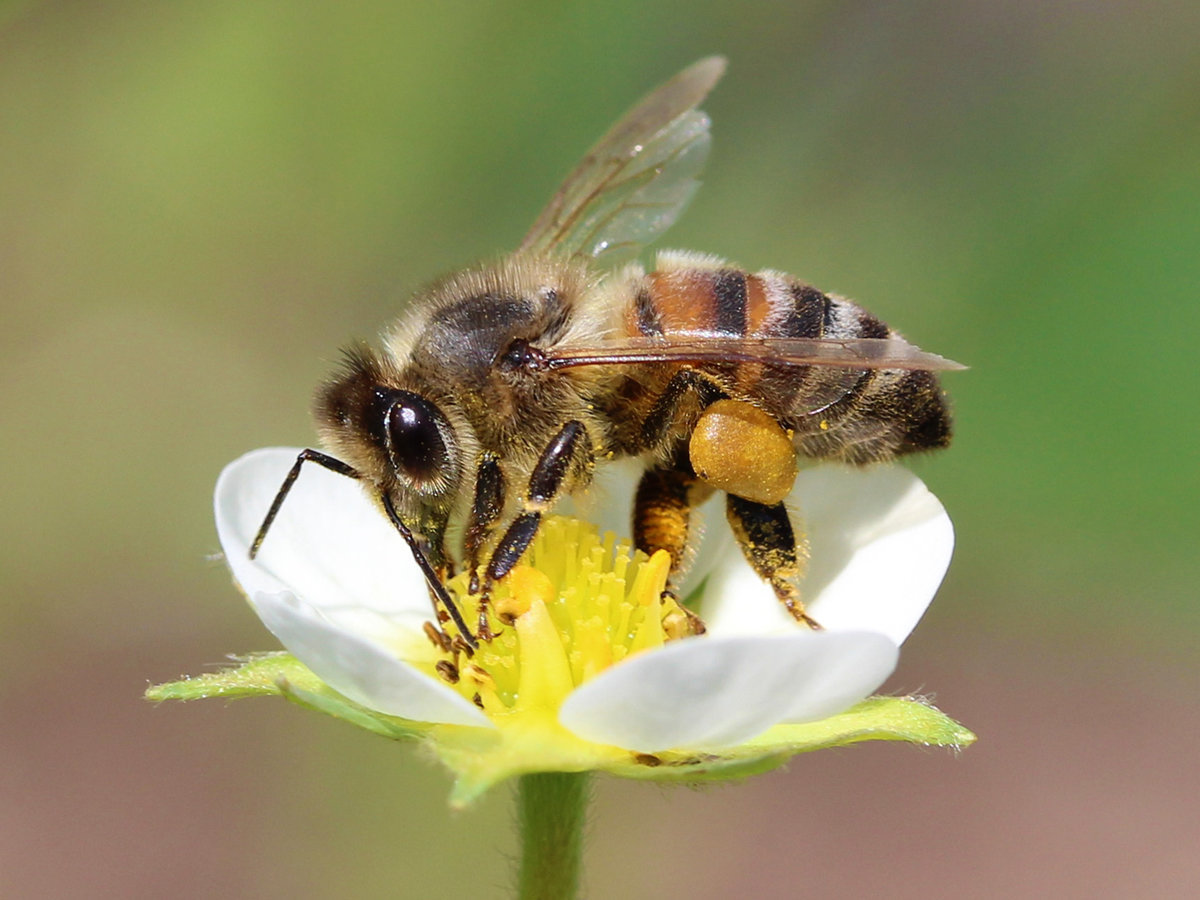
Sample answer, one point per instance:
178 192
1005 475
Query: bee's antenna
431 577
323 459
336 465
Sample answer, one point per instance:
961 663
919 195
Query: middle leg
570 449
662 520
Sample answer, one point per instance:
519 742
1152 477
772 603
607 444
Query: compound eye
414 438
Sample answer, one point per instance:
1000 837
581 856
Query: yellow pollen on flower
525 584
576 605
676 625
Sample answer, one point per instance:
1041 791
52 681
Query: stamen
576 605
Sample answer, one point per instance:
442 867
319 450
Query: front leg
570 446
485 510
419 546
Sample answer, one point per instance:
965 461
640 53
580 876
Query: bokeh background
201 201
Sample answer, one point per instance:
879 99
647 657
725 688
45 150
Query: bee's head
396 437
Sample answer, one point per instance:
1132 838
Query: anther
478 675
439 639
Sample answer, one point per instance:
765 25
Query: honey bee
504 385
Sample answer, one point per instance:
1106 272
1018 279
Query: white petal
366 672
713 692
880 544
329 543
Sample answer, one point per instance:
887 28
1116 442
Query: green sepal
481 758
908 719
282 675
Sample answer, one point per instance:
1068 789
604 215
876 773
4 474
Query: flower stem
551 809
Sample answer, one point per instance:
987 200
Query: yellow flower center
576 605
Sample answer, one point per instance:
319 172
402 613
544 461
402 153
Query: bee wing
826 370
853 353
632 186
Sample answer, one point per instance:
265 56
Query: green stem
551 809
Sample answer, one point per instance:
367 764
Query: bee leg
769 544
432 546
420 551
485 510
322 459
570 446
447 568
662 513
658 424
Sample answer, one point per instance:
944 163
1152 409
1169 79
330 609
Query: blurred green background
200 202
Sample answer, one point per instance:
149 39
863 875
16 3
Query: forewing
632 186
825 370
853 353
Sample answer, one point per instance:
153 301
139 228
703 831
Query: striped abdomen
846 414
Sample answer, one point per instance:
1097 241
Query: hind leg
765 534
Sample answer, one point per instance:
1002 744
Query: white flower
338 587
